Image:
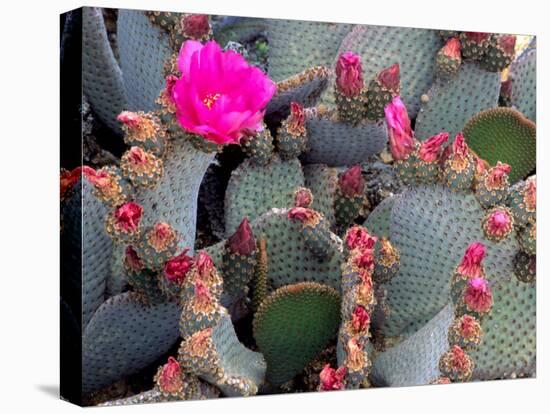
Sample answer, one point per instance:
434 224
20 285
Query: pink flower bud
196 26
202 293
242 242
459 147
161 236
477 37
128 216
204 264
68 179
358 236
137 156
349 74
498 223
331 379
506 88
130 119
132 260
360 319
452 48
297 119
530 197
430 149
99 179
177 268
471 266
478 296
389 77
399 129
351 182
364 259
497 175
507 43
170 380
301 214
303 198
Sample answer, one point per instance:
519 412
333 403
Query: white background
29 139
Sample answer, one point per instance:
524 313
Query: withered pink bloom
128 118
303 198
530 197
127 216
481 166
364 259
360 319
202 293
297 119
68 179
331 379
452 48
100 179
242 242
459 361
506 88
459 147
196 26
351 182
137 156
471 266
478 296
499 223
170 379
477 37
507 43
357 236
161 235
170 82
204 263
389 77
219 96
399 129
301 214
132 260
177 268
497 174
469 327
430 149
349 74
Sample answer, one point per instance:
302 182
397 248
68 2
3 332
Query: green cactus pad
431 226
379 220
508 345
116 280
504 134
295 45
143 49
415 360
323 182
382 46
451 103
125 336
523 72
293 325
336 143
174 198
304 88
102 81
252 190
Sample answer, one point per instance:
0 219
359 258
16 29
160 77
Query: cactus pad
523 73
504 134
293 325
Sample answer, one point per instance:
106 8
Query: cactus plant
347 195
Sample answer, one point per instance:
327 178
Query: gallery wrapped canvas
263 206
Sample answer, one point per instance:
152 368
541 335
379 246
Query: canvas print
266 206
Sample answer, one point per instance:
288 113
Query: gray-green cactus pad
254 189
124 336
523 73
452 103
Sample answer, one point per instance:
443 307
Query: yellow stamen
210 99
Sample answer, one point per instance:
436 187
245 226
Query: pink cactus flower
360 319
177 268
389 77
351 182
242 242
128 216
132 260
332 379
431 148
471 266
478 296
499 223
196 26
399 129
204 264
507 43
358 236
349 74
297 119
497 175
219 96
170 380
452 48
